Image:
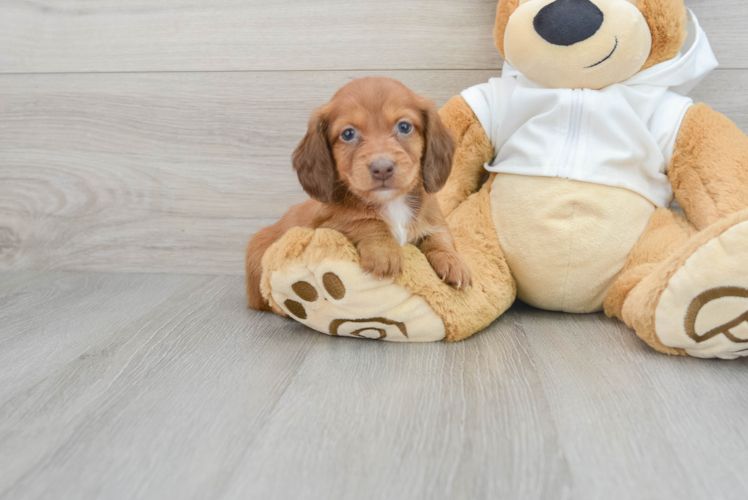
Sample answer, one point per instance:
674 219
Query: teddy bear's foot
702 308
314 277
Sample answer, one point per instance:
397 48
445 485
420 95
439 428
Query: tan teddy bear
588 136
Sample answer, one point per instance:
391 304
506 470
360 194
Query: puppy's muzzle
382 169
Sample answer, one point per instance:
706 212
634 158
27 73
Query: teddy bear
565 168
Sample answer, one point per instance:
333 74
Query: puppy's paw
381 261
451 269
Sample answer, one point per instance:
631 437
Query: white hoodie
622 135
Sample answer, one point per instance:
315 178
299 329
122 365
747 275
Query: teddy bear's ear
667 22
505 9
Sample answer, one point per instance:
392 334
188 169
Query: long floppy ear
438 150
313 160
503 11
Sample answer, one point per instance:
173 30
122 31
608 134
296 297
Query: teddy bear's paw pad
337 298
704 309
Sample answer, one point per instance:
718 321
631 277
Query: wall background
155 136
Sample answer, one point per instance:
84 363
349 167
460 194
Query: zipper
569 154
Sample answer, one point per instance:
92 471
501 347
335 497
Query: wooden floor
143 142
165 386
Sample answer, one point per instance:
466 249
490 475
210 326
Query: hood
681 73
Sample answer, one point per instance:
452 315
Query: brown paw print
728 328
371 328
306 292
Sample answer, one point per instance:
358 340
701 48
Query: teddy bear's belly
566 241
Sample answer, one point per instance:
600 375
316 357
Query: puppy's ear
313 160
438 151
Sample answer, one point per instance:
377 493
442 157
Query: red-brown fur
347 198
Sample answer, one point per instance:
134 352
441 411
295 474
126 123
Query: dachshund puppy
371 160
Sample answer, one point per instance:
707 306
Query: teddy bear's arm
709 167
473 150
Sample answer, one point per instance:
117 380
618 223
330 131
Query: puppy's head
377 138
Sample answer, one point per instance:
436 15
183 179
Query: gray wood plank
727 92
195 397
251 35
366 420
34 345
635 421
246 35
163 172
724 23
13 281
173 172
156 407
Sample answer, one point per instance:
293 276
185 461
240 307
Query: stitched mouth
606 58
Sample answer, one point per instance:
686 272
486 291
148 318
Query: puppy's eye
404 128
348 135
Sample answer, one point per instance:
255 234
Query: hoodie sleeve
666 121
480 100
490 101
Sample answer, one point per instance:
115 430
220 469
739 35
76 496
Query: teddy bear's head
588 43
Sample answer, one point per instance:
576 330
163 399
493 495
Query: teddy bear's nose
566 22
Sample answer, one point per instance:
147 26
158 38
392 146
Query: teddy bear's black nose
566 22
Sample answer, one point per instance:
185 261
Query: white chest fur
399 216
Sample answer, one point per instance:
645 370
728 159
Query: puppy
371 159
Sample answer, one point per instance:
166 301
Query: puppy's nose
382 169
566 22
